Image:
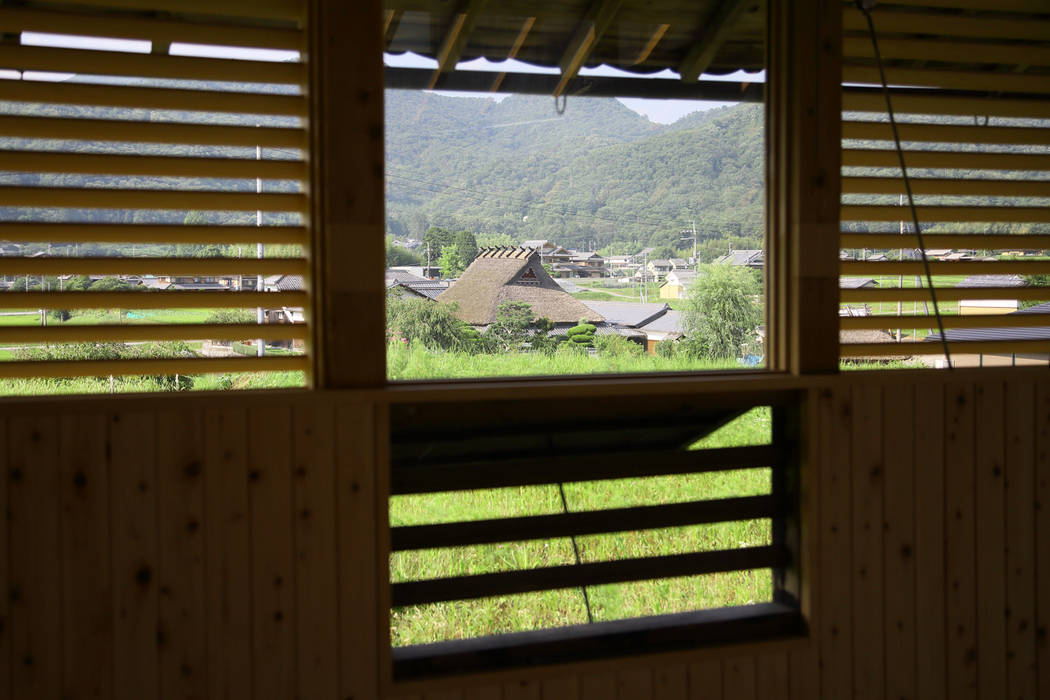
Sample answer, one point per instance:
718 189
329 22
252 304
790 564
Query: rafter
658 34
391 21
714 34
526 27
456 37
593 25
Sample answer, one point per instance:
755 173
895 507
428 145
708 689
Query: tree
437 238
720 313
451 263
466 247
512 326
1041 280
431 323
396 256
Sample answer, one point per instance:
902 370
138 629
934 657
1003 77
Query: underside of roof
707 36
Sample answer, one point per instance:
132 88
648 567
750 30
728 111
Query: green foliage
113 284
62 315
397 256
437 238
1041 280
430 324
667 349
231 316
581 335
466 246
599 174
616 346
720 312
451 263
511 328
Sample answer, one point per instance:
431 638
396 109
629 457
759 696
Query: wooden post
346 97
803 115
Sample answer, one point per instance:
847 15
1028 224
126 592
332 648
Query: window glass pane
529 236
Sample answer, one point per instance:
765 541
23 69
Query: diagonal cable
865 8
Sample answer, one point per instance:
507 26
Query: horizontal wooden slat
977 241
949 321
158 166
62 333
873 212
917 101
948 24
940 49
947 133
935 348
164 30
150 233
102 368
1033 6
93 62
925 185
872 158
134 97
592 574
100 198
854 268
586 467
126 130
270 9
152 266
152 300
888 294
582 523
948 79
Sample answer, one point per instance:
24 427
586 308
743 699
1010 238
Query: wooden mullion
803 133
460 477
584 523
588 574
349 211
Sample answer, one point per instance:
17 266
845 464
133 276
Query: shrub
433 324
616 346
667 349
582 335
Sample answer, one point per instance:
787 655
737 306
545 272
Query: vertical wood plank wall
190 549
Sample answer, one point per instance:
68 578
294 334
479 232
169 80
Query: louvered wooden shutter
971 89
173 166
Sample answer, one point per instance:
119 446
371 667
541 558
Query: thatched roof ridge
501 274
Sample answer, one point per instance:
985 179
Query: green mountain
597 175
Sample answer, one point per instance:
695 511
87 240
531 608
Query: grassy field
421 624
406 363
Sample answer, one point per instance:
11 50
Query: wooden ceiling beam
593 25
456 37
713 35
523 34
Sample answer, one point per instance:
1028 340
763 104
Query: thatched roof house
502 274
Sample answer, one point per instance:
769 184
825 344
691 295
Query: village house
755 259
508 274
677 283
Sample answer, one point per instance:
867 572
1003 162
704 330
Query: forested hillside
598 175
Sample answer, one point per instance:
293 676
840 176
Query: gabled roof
500 275
683 277
670 322
741 257
394 276
285 283
627 313
856 282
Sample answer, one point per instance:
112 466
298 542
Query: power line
441 188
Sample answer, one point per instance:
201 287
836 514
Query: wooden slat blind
970 94
159 165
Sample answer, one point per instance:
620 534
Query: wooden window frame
803 112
